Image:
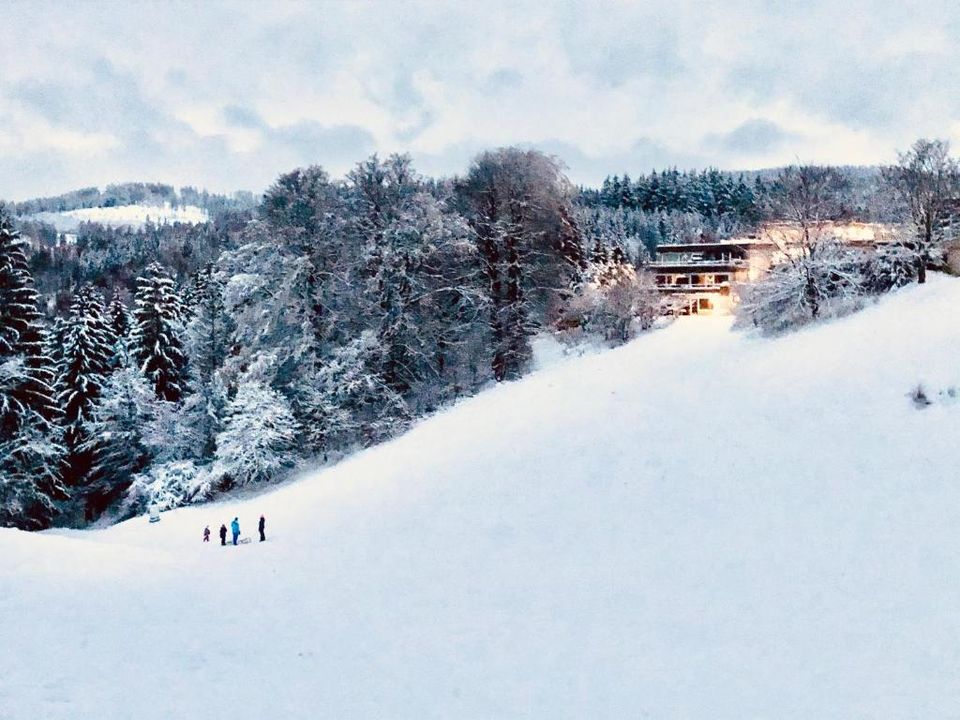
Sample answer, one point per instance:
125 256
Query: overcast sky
229 95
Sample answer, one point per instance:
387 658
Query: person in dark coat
206 534
263 524
223 534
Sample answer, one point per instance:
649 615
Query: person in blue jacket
235 527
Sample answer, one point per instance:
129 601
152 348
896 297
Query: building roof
777 234
698 247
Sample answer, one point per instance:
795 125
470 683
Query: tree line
134 193
169 365
338 314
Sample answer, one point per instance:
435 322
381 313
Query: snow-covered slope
697 525
126 215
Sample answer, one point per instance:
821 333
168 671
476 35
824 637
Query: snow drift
697 525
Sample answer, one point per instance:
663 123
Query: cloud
753 137
99 92
242 117
333 146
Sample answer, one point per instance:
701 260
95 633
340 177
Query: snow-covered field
126 215
697 525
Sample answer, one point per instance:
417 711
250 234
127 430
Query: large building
702 278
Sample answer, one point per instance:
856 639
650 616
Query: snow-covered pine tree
258 438
383 192
22 336
32 492
598 256
187 295
201 418
155 338
207 340
53 346
208 332
119 315
85 362
119 319
114 437
272 303
304 215
30 454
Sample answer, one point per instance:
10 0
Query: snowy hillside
697 525
126 215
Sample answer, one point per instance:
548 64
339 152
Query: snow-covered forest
168 364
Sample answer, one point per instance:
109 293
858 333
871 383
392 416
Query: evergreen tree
599 254
208 332
114 437
22 337
53 347
208 336
31 486
85 362
119 316
627 198
30 453
202 418
155 340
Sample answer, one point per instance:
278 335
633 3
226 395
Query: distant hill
133 216
155 195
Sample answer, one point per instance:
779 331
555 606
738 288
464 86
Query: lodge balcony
720 264
722 288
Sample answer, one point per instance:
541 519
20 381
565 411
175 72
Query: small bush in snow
923 398
168 486
616 303
919 397
892 266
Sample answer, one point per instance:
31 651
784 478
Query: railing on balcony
693 288
728 262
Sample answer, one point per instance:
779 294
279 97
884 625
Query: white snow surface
700 524
126 215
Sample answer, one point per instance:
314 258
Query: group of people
235 529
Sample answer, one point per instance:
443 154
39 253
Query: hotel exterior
698 279
702 278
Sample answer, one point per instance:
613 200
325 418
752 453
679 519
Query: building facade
702 278
699 279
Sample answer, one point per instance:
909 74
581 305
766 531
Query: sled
244 541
